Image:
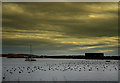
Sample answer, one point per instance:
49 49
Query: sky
60 28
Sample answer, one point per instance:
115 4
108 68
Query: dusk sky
56 28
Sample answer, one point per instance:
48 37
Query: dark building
94 55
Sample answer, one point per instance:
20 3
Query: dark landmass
86 56
19 55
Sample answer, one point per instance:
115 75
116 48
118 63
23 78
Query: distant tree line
62 56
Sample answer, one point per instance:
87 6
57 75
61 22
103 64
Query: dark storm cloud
73 18
60 26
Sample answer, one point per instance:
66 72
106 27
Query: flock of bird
63 67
